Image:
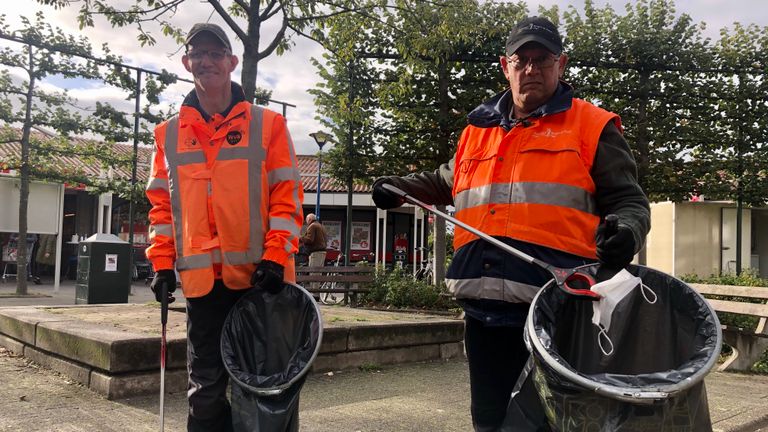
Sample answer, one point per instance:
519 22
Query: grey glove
167 277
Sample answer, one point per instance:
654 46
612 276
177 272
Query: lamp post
320 138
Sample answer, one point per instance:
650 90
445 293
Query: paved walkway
413 397
430 397
46 295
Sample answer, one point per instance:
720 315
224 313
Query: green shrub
747 278
397 288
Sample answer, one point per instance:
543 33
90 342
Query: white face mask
612 292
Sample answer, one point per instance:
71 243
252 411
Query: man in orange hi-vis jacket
539 170
226 211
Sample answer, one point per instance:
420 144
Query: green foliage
40 157
296 15
404 87
694 112
748 277
369 367
397 288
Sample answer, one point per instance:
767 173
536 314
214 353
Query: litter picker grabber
163 345
564 278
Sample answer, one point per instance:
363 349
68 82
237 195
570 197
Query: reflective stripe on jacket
227 208
532 183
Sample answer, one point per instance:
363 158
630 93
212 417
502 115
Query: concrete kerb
120 362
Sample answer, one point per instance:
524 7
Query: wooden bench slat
752 309
337 291
334 269
732 291
334 278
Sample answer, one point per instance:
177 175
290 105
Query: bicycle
424 272
332 298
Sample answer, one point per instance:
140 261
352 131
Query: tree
49 52
38 107
293 15
736 152
407 83
643 65
419 75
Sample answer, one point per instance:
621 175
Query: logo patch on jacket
234 137
190 142
549 133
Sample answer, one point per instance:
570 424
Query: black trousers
496 357
209 409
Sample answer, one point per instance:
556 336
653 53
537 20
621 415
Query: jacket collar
192 101
497 111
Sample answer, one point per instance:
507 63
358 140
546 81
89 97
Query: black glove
269 276
383 198
615 249
167 277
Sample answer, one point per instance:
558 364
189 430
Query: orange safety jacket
532 183
225 195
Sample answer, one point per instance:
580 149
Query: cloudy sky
291 75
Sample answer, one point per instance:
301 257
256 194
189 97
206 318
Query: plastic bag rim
629 394
276 390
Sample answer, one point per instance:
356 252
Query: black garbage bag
525 412
268 344
652 381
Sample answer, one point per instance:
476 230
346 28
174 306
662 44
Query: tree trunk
441 157
22 259
643 160
439 248
251 53
249 73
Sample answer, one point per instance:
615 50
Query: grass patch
369 367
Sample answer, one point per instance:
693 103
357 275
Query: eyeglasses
541 62
216 55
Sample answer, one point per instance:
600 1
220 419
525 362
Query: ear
233 62
185 62
561 63
504 65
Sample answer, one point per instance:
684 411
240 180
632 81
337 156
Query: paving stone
21 322
372 358
404 334
334 340
134 384
71 370
12 344
453 350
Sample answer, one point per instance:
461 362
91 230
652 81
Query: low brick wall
119 361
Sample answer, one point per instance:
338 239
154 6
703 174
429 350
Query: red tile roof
308 171
307 165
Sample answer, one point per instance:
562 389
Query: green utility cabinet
103 270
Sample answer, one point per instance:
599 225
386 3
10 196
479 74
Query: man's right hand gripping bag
644 372
268 344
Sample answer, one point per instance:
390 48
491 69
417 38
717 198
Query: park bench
348 281
747 344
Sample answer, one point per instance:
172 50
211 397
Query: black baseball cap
210 28
534 29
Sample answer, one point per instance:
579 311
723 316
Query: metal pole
319 167
133 168
350 143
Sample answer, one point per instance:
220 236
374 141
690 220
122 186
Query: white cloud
291 75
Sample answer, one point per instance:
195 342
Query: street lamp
320 138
